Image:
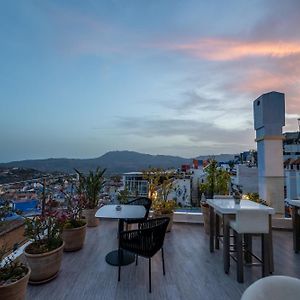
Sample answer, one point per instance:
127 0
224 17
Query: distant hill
114 161
219 157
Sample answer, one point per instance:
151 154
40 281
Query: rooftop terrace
192 272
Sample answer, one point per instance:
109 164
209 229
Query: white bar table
120 257
227 208
296 223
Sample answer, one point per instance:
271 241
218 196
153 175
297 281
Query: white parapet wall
188 217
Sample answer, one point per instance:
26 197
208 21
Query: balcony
192 272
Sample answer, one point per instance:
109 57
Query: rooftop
192 272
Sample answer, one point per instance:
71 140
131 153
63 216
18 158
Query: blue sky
80 78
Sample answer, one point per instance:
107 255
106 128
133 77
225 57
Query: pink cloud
230 49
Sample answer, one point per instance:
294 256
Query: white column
268 121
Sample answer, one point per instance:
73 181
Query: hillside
114 161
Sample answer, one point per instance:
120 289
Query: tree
217 180
160 182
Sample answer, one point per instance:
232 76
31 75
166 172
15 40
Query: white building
292 178
135 184
247 178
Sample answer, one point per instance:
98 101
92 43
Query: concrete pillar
269 117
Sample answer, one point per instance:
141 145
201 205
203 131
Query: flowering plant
73 215
45 230
10 270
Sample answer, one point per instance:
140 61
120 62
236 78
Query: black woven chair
145 241
146 202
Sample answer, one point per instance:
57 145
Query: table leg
270 246
217 235
226 243
211 228
296 228
120 257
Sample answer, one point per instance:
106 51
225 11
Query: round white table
120 212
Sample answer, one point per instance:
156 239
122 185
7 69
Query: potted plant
160 186
89 190
237 193
217 182
44 253
164 208
123 196
74 227
14 277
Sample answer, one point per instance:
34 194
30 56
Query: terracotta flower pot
169 228
90 218
44 267
74 238
15 290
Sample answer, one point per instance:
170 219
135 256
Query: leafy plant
236 191
11 270
217 180
255 197
90 186
123 196
160 185
163 207
45 230
152 175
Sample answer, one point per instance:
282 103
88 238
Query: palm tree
90 186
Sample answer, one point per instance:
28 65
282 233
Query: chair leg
136 259
150 275
119 269
239 249
163 261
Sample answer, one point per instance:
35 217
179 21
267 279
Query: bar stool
251 221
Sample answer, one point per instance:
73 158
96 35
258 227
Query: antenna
298 130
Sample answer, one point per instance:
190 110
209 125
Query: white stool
251 221
273 287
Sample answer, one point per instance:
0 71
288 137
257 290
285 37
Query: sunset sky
178 77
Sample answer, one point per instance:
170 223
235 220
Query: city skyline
161 77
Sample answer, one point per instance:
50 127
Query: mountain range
116 162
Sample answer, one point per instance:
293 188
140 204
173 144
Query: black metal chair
145 241
146 202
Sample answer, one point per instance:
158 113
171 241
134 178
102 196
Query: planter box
12 233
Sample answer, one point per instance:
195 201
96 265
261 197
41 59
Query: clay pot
44 267
90 218
15 290
169 228
74 238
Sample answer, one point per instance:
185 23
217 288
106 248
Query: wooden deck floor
191 271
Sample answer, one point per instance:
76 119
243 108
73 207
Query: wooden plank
192 272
